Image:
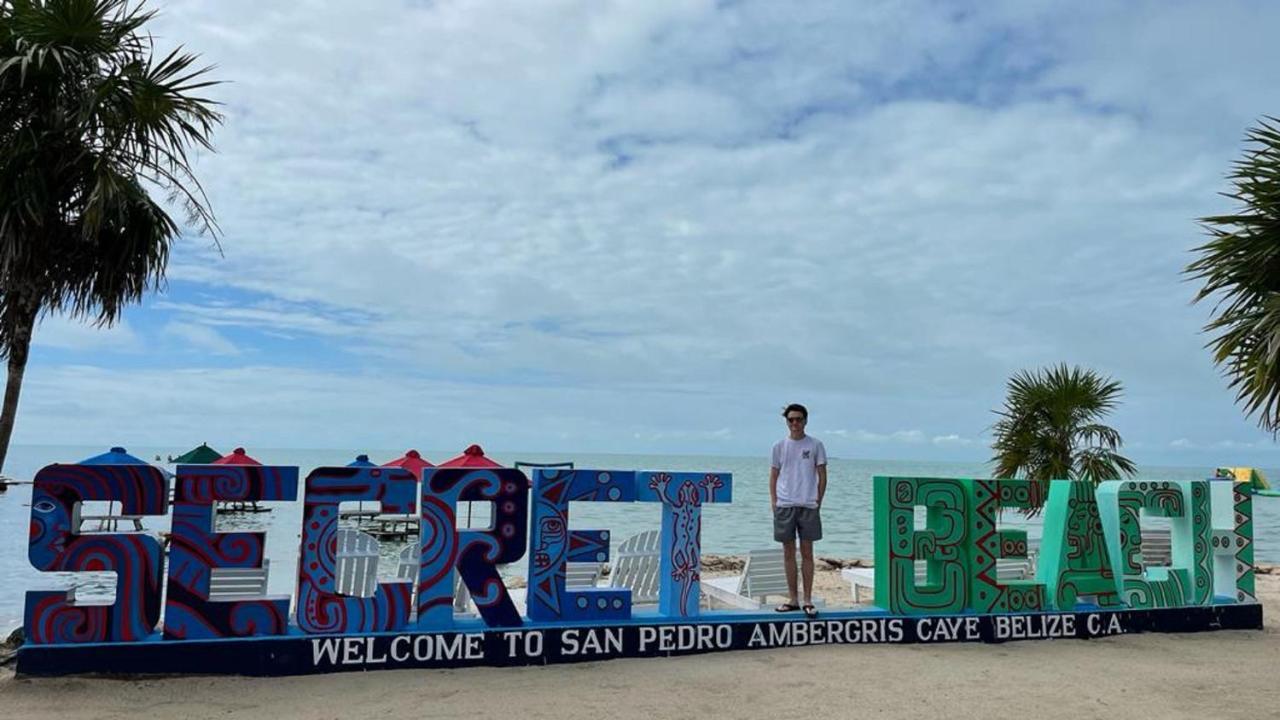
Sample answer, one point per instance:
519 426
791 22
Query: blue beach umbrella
119 456
361 461
114 456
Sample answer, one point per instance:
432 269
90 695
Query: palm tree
1050 428
1240 265
91 124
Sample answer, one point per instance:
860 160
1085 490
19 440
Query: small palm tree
1240 266
91 123
1050 428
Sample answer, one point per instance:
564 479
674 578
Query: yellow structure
1252 476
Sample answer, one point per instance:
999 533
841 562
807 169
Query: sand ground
1224 675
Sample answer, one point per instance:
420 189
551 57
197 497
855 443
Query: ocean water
735 527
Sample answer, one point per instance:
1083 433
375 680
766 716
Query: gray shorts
788 522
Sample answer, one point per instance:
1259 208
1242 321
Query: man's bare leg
789 564
806 557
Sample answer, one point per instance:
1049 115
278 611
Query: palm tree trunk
18 353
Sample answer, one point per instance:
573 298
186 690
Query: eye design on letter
44 506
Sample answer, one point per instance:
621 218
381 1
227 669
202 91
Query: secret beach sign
1091 579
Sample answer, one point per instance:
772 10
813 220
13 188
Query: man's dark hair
796 407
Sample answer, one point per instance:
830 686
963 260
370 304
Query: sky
646 226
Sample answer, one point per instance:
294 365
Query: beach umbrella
119 456
240 457
411 461
236 457
472 457
114 456
202 455
361 461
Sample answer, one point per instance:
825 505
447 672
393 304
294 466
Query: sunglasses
795 419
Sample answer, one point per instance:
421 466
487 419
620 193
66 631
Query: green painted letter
1188 579
989 544
1073 554
941 545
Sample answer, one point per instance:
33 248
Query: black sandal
786 607
810 611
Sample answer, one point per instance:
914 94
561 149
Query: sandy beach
1220 674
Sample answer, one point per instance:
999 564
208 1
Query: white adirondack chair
238 583
1007 569
357 561
577 575
1157 546
580 575
763 576
636 565
407 569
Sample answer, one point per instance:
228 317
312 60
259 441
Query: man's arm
773 488
822 483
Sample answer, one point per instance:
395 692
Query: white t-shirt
797 462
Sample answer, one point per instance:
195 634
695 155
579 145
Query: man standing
797 482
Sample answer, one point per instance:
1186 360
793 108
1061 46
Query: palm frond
1049 428
1239 267
92 121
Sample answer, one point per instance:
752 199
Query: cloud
269 316
1239 445
201 337
867 437
64 333
263 405
661 219
719 435
952 440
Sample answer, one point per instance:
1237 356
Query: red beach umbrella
411 461
236 457
472 457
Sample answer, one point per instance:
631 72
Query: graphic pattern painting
1232 540
1121 505
321 609
553 545
1243 522
682 495
195 551
947 580
941 544
474 554
989 544
56 545
1192 542
1074 562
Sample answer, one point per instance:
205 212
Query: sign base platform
471 644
